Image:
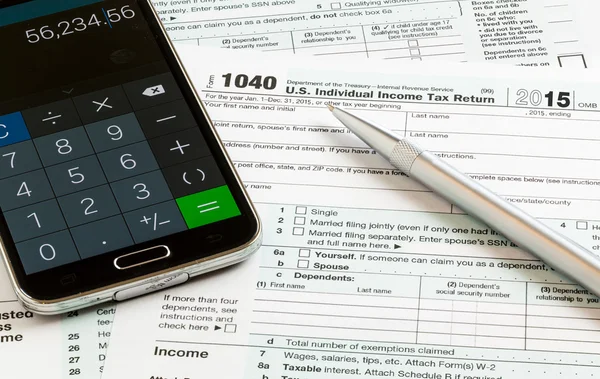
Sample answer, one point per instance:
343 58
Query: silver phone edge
195 268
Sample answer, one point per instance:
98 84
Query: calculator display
99 148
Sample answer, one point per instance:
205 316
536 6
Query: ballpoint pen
559 252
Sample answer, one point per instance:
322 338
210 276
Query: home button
142 257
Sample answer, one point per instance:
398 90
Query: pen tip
331 108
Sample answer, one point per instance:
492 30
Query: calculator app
105 168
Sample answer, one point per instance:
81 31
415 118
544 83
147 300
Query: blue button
12 129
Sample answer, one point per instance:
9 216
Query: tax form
363 271
529 32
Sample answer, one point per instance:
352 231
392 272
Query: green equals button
206 207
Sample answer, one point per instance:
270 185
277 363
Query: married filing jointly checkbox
299 220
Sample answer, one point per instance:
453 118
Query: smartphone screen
103 149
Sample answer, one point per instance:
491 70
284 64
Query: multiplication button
35 220
155 221
103 104
128 161
101 236
12 129
46 252
76 175
18 158
88 206
115 132
25 189
63 146
141 191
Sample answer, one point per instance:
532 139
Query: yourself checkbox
336 5
304 253
299 220
582 225
413 43
300 210
303 263
298 231
230 328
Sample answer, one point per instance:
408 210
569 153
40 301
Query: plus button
180 147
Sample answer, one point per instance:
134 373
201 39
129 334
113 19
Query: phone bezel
99 274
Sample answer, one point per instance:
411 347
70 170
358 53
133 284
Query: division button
166 118
194 176
18 158
101 237
25 189
103 104
46 252
35 220
155 221
12 129
179 147
51 118
152 91
63 146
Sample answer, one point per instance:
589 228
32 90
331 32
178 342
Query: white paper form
33 346
533 32
364 272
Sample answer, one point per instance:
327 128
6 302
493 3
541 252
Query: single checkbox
299 220
298 231
413 43
230 328
303 263
300 210
582 225
304 253
415 52
336 5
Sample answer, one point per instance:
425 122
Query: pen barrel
559 252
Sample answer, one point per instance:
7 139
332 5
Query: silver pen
559 252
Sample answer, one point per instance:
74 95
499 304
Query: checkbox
300 210
415 52
298 231
582 225
299 220
413 43
336 5
304 253
303 263
230 328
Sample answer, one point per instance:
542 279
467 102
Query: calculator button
46 252
51 118
12 129
165 119
155 221
102 104
195 176
128 161
18 158
207 207
101 236
89 205
25 189
115 132
141 191
63 146
179 147
152 91
35 220
77 175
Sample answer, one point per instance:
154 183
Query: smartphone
113 181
